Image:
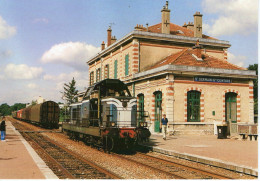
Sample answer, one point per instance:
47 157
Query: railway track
63 162
161 168
173 169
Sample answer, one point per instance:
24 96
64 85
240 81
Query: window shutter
126 64
115 69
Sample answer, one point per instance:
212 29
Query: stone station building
181 72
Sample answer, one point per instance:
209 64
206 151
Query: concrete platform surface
231 154
18 160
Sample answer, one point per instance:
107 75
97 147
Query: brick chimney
198 25
198 50
190 26
103 45
113 39
109 32
166 19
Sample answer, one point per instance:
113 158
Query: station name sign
212 79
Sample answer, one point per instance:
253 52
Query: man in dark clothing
164 123
2 129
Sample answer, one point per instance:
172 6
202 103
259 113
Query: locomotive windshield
109 87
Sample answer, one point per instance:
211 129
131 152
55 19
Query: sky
45 43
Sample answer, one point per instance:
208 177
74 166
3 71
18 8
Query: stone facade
169 64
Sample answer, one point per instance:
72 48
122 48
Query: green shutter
126 64
96 75
108 71
115 69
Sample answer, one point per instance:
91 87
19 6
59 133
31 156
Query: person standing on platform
164 123
2 129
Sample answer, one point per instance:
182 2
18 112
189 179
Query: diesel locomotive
107 117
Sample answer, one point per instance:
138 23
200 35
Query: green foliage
34 102
64 114
255 68
5 109
69 91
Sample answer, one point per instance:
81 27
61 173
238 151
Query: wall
213 100
151 53
130 49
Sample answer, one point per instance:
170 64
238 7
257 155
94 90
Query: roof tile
185 57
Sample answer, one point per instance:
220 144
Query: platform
233 154
18 160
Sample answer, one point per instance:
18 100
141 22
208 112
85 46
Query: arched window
126 65
98 75
140 107
193 106
158 110
115 69
91 80
231 107
106 72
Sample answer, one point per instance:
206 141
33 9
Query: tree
5 109
17 106
255 68
69 91
34 102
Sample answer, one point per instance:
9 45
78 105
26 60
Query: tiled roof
186 57
175 30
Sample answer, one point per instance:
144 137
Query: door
231 112
158 111
231 107
141 108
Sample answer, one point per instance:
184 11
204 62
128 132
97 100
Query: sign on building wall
212 79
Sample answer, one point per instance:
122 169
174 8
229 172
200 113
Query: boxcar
45 114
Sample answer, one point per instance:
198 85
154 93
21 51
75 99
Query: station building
178 71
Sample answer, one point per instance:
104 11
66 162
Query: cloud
6 31
5 54
22 71
41 20
32 86
72 54
237 60
235 17
81 79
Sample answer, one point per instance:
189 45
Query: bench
245 136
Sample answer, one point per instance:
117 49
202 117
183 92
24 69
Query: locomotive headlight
113 124
145 124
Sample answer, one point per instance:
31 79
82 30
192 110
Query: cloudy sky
45 43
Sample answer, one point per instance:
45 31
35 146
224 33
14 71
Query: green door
141 108
193 106
158 111
231 107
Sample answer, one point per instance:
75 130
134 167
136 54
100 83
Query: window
106 71
231 107
126 65
98 75
193 106
115 69
91 80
